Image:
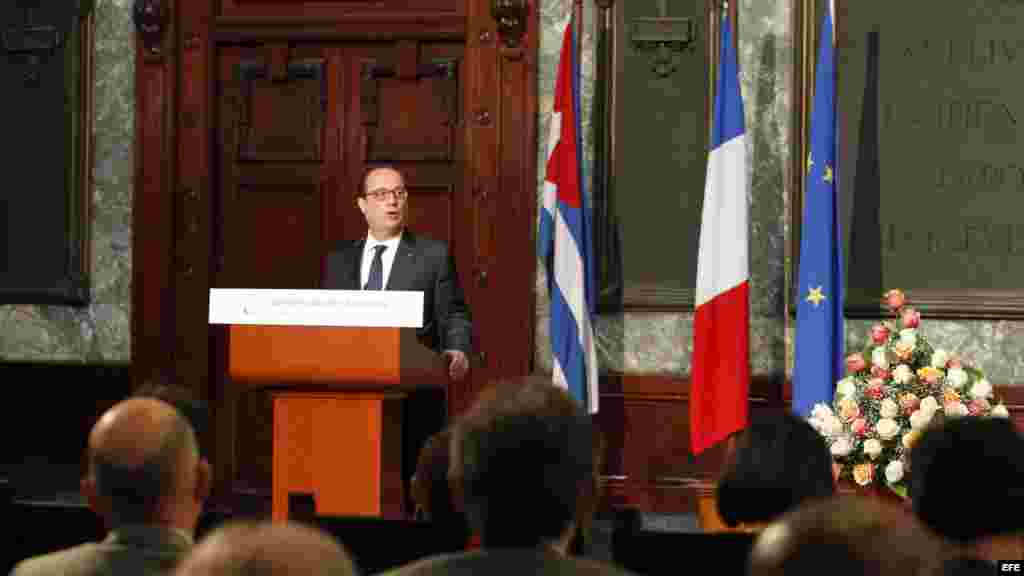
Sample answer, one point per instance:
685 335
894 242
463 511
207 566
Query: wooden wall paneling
515 202
377 10
192 196
481 180
647 462
152 317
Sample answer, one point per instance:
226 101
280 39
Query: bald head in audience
846 536
144 466
264 548
146 480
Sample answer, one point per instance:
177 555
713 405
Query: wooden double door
273 129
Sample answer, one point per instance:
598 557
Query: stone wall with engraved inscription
948 115
100 332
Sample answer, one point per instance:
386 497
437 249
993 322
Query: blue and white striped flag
565 239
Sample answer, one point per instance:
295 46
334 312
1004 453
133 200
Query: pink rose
954 362
909 402
879 372
879 333
860 427
911 318
856 362
895 299
978 407
876 388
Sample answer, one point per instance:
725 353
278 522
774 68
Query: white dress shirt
387 258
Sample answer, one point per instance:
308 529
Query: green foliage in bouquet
898 385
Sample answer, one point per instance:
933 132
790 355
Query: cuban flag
565 239
720 372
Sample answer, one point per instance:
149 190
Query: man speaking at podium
391 257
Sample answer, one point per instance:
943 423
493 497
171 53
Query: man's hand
458 364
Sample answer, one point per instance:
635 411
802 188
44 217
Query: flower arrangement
894 388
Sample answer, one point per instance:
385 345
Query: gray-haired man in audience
148 483
265 548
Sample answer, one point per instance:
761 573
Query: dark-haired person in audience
967 485
779 462
266 548
847 535
147 482
197 413
191 407
432 492
526 464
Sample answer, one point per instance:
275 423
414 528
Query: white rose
847 387
920 418
880 358
872 448
833 426
889 408
908 336
955 410
894 472
887 428
1000 411
982 389
939 358
929 404
903 374
956 377
842 446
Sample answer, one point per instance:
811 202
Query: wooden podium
338 395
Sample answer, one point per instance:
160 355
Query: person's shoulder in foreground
507 561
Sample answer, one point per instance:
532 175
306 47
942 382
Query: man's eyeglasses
383 194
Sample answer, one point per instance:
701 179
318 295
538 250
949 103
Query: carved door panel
297 126
277 144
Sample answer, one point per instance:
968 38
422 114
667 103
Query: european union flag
819 361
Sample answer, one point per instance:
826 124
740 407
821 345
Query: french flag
720 373
565 242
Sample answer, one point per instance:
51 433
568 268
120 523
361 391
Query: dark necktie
376 279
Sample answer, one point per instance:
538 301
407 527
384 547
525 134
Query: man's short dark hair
135 492
527 452
370 169
780 461
964 456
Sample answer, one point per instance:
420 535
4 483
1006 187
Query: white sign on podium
266 307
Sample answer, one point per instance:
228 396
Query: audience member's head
144 466
956 462
779 462
161 387
265 549
527 462
846 536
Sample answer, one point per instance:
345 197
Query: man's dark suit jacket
421 264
